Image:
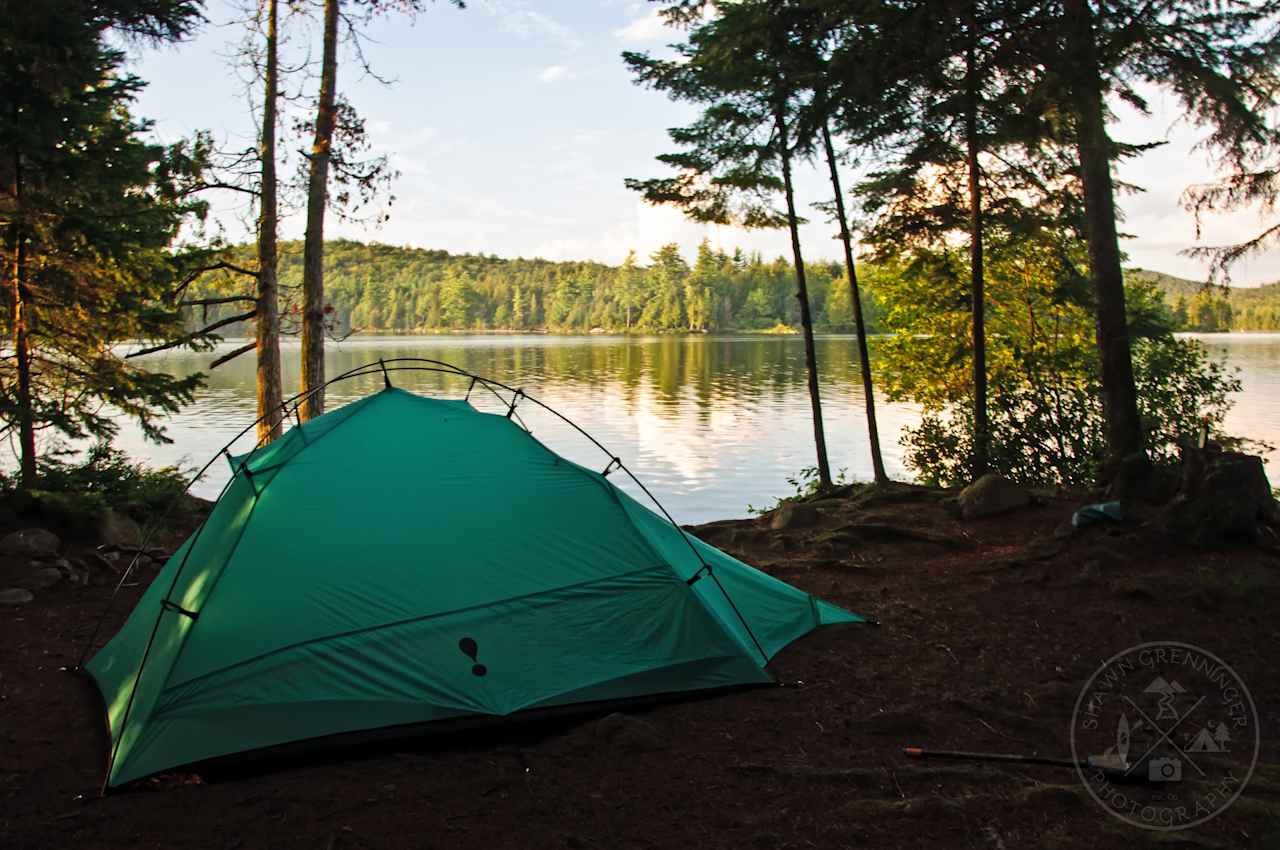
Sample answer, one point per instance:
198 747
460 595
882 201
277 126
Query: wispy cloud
515 16
555 73
649 27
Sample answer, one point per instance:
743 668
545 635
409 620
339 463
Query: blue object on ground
1098 512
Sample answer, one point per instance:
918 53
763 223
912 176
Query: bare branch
221 265
230 187
192 337
232 355
209 302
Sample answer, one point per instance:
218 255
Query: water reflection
709 423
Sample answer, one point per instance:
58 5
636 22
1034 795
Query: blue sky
514 123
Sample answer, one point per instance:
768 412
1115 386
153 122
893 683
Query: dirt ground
987 632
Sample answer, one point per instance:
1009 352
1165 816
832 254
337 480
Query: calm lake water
711 424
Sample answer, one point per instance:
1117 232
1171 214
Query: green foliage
806 484
91 208
73 494
1199 306
1046 416
387 289
121 483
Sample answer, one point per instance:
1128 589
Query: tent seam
612 490
407 620
244 528
613 497
179 715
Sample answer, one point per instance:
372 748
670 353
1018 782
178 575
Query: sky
513 124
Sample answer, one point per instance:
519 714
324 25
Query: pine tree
1219 59
947 103
739 155
90 209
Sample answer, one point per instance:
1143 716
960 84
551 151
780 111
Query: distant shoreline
488 332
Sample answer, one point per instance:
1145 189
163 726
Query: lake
711 424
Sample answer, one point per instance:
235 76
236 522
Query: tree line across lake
967 144
378 288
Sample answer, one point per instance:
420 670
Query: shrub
1044 393
74 493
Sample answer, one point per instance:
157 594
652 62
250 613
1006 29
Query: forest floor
988 630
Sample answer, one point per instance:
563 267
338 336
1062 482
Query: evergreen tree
90 209
949 103
740 152
1219 59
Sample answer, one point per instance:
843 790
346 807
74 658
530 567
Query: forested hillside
1197 307
375 288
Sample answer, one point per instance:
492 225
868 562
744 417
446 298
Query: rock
1227 501
31 543
990 495
76 573
95 561
630 734
15 596
115 529
42 578
794 515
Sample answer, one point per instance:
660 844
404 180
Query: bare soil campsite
987 631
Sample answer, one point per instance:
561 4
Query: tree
1046 412
944 96
90 210
739 154
823 120
1219 59
269 389
333 118
631 290
313 306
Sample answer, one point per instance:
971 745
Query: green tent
404 560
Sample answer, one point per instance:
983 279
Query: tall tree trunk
317 199
1119 393
269 389
802 295
977 297
868 392
21 340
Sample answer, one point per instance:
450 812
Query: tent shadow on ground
490 735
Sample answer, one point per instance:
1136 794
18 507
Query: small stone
15 596
43 577
116 529
31 543
990 495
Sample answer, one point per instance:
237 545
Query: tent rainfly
404 560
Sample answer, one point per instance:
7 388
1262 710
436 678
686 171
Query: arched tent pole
155 524
383 367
